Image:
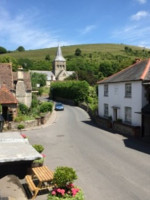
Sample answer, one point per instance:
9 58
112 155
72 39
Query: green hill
95 62
39 54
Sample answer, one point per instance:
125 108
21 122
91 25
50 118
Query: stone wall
29 123
113 126
126 129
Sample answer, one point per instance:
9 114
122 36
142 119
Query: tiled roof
6 97
6 75
135 72
27 80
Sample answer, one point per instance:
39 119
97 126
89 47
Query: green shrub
20 126
46 107
39 161
64 176
19 119
38 147
34 103
23 108
40 91
75 90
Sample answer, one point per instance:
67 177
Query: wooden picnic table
43 175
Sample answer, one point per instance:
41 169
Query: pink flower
43 155
74 191
23 135
53 193
61 191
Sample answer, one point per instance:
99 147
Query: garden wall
30 123
113 126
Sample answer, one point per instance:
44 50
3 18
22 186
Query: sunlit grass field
39 54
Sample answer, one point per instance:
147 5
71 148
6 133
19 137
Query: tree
20 48
25 63
77 52
37 78
2 50
47 57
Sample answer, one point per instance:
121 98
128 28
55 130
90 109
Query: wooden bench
32 186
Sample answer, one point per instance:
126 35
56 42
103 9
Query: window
128 90
106 110
128 111
105 90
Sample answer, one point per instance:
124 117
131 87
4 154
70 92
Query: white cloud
142 1
134 35
23 30
88 29
139 15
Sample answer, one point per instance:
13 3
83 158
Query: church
59 71
59 66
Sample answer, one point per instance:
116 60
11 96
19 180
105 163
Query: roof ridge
145 70
119 72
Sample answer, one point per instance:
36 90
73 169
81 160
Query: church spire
59 56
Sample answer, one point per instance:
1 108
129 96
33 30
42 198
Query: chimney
137 60
20 74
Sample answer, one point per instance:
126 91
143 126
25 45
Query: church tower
59 64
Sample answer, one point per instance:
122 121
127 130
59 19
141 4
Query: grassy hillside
40 54
95 62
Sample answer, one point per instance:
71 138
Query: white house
123 95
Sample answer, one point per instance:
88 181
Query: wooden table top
43 173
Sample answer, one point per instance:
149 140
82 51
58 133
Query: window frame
105 90
128 90
106 110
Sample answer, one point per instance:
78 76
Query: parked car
59 106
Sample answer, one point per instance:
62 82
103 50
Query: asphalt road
109 166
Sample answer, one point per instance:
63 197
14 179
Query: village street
109 166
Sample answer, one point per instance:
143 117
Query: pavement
11 187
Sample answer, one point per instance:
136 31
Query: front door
4 112
115 114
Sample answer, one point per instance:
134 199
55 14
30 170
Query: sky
37 24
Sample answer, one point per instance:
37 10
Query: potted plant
64 187
38 162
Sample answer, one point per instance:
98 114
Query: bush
46 107
64 188
39 148
23 108
63 176
75 90
34 103
20 126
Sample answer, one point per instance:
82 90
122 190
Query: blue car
59 106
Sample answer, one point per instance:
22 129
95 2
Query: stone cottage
15 87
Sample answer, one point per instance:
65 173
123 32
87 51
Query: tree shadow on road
137 144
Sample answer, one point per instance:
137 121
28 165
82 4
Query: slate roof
27 80
138 71
49 74
6 75
6 97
